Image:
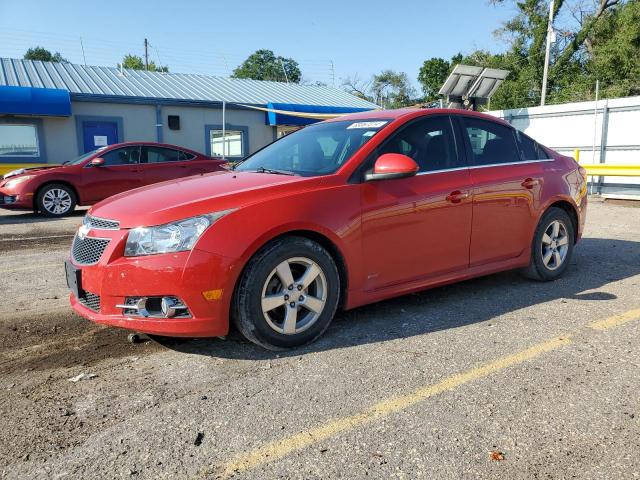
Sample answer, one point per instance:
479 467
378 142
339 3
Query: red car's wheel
287 295
552 246
56 200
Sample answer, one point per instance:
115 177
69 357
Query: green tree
42 54
392 89
433 74
614 48
134 62
264 65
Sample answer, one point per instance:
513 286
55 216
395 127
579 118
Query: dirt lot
496 377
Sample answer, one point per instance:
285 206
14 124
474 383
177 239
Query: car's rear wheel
287 294
56 200
552 246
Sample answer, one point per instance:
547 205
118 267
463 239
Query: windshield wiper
274 171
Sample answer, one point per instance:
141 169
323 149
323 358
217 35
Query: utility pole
333 75
146 54
284 71
550 40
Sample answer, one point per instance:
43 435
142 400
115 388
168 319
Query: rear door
162 163
505 193
120 172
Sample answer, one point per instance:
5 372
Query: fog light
8 199
154 307
167 306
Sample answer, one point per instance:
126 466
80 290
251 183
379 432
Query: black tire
259 275
66 195
538 269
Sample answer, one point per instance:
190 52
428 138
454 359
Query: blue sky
213 37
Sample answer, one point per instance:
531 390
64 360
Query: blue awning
34 101
276 118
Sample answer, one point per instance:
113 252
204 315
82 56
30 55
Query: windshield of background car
319 149
82 158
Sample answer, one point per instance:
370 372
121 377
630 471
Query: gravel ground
224 408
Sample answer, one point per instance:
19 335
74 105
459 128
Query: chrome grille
88 250
91 301
102 223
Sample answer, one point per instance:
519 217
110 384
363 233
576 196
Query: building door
99 134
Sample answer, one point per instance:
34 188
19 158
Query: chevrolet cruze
340 214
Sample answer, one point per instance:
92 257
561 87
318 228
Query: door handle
457 196
530 183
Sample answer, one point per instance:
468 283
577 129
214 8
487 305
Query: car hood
29 170
173 200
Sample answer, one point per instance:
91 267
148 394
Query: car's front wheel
552 246
56 200
287 294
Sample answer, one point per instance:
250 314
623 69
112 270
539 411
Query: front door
419 227
98 134
506 189
120 172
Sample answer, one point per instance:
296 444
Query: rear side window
122 156
529 148
429 142
160 155
491 143
186 156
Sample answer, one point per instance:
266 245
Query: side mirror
392 165
97 162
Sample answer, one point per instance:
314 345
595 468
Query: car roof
414 112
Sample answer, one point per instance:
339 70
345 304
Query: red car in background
339 214
55 190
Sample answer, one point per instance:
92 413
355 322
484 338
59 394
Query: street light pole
550 35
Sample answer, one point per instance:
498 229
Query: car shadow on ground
18 217
596 262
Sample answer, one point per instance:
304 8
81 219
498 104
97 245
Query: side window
122 156
529 148
159 155
184 156
490 142
429 141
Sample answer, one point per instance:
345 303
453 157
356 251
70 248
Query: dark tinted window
186 156
159 155
122 156
429 142
529 148
490 142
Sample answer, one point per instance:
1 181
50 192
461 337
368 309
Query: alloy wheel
555 245
294 295
56 201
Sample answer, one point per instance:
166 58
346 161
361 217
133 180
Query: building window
232 145
18 141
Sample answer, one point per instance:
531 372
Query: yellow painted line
280 448
616 320
32 267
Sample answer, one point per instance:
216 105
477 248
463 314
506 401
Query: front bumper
187 275
15 201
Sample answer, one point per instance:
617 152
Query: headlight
16 181
172 237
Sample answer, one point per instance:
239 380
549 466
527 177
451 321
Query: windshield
319 149
82 158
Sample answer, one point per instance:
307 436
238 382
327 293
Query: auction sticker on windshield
367 125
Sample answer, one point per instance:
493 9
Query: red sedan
340 214
55 190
